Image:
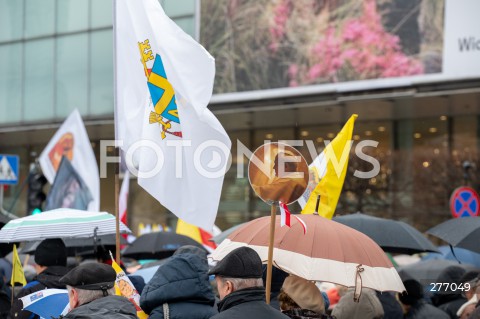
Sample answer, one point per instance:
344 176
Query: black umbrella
428 271
459 232
393 236
76 246
157 245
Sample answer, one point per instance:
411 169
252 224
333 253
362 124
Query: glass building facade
56 55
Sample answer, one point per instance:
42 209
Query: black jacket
110 307
247 304
49 278
423 310
182 283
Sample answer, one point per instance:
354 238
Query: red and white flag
123 197
285 215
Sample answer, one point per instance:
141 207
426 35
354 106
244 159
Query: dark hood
183 278
111 307
50 277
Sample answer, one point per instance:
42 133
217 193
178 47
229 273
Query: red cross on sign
464 202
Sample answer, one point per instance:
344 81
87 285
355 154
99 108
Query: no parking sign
464 202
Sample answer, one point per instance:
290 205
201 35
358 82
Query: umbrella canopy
48 303
157 245
459 232
60 223
393 236
459 254
427 271
329 251
76 245
223 235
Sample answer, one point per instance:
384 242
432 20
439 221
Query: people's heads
278 277
451 274
413 294
50 252
240 269
284 159
89 282
470 279
300 293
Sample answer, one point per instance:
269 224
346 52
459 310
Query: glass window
187 25
101 13
39 18
175 8
72 15
101 73
71 78
10 83
39 57
11 20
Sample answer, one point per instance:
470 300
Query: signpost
9 165
464 202
9 168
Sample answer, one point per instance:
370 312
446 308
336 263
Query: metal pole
1 196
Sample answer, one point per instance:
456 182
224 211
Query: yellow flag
196 233
124 287
333 162
17 270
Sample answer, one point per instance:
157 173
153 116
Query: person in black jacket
239 281
91 294
414 304
51 262
450 300
180 287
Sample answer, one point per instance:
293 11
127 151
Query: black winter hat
51 252
90 276
242 262
413 294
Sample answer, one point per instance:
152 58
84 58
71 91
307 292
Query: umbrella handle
358 284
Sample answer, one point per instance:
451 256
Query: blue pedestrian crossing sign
9 165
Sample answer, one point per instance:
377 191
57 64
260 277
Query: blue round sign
464 202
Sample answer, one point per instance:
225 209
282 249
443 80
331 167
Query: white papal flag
71 140
164 82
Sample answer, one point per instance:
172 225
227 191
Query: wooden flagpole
117 149
117 213
270 252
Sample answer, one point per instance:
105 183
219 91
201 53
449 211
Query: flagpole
117 150
270 252
13 274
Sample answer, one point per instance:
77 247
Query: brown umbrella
329 251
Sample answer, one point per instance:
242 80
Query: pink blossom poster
266 44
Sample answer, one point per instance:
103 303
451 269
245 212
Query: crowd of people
186 287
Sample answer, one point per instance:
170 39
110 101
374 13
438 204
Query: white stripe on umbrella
63 223
317 269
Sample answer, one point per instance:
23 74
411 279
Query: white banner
71 140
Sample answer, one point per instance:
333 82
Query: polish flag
123 198
285 215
